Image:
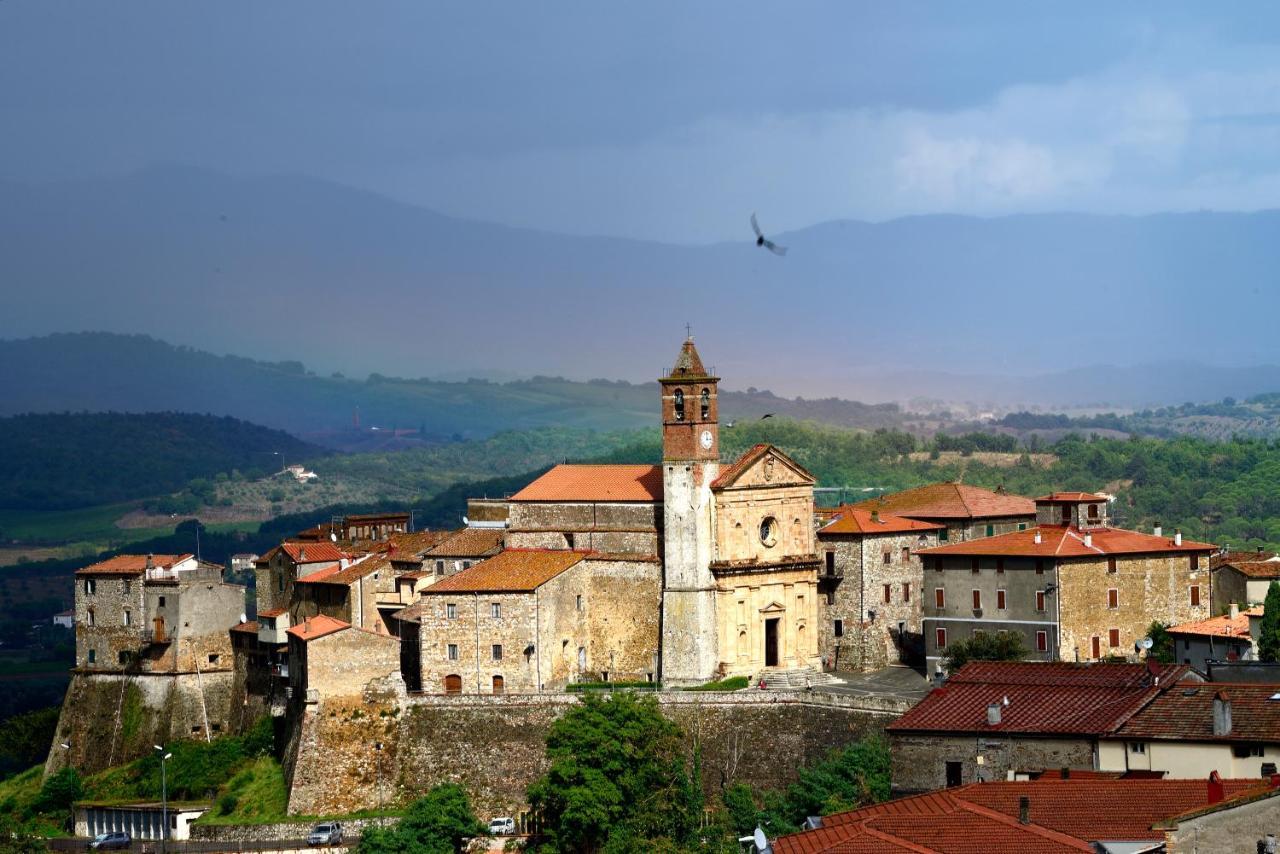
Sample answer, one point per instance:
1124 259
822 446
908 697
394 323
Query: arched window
706 403
679 404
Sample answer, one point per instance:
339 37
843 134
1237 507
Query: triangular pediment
773 608
763 465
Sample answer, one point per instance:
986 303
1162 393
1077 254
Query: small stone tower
690 462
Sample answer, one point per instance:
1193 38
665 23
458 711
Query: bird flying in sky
761 240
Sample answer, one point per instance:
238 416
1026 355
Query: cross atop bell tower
690 412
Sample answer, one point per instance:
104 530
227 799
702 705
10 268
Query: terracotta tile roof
274 612
468 542
1058 541
1071 497
1232 557
132 564
1045 698
248 627
950 501
1065 815
854 520
1223 626
418 542
1255 568
344 577
321 552
514 571
317 627
730 473
596 483
1185 713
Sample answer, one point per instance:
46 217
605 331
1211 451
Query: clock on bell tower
690 428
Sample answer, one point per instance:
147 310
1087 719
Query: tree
617 779
435 824
59 791
1161 643
1269 633
998 646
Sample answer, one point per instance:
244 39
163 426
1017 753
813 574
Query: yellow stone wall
745 600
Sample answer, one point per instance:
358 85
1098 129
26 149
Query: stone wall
623 608
352 829
1235 830
110 719
495 746
920 761
343 663
110 619
623 527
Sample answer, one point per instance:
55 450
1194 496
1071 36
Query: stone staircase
792 680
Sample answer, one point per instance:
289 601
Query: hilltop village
437 646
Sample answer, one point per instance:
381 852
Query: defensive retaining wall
353 754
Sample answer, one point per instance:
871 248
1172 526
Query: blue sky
666 121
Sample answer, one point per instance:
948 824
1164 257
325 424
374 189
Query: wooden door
1097 647
453 684
497 685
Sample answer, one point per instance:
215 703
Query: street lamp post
164 797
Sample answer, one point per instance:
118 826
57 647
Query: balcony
152 637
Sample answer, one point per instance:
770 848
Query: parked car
504 825
329 833
111 841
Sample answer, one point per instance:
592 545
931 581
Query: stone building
1224 638
530 620
606 508
279 569
330 658
1244 582
1073 587
870 584
991 719
965 512
362 593
155 613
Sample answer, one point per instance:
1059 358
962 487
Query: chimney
1024 810
993 714
1038 538
302 553
1233 611
1066 773
1158 531
1177 537
1216 791
151 561
875 517
1221 713
1088 540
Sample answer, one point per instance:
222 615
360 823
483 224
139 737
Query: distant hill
1013 310
135 373
61 461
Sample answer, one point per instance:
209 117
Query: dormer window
706 403
1093 512
1066 515
679 404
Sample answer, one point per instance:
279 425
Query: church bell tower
690 462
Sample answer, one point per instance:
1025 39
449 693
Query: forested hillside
57 462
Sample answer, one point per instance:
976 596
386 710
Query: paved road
898 681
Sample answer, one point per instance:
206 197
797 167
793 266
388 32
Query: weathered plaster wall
920 761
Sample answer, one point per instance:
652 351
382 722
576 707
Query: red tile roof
1065 815
1185 713
468 542
596 483
321 552
274 612
853 520
950 501
132 564
734 470
1255 568
512 571
1220 558
1071 497
317 627
1223 627
1058 541
408 545
1045 698
248 627
352 573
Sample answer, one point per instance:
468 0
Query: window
1039 567
973 565
128 586
466 564
1113 598
944 535
495 610
906 554
127 617
93 656
497 652
769 531
1186 644
1040 600
1137 747
977 600
838 628
577 602
888 557
679 404
1111 564
1195 562
439 567
1195 595
452 652
161 602
831 563
887 597
1113 638
122 657
1022 526
999 564
450 611
939 597
1042 641
90 586
991 529
1096 643
1093 512
831 597
213 658
705 407
1244 751
1000 606
92 619
1066 515
280 583
940 635
906 591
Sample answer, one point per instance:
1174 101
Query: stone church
730 548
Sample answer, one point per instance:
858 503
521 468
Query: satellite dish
244 618
761 841
333 536
1147 643
466 521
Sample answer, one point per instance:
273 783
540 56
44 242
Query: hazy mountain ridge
293 267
